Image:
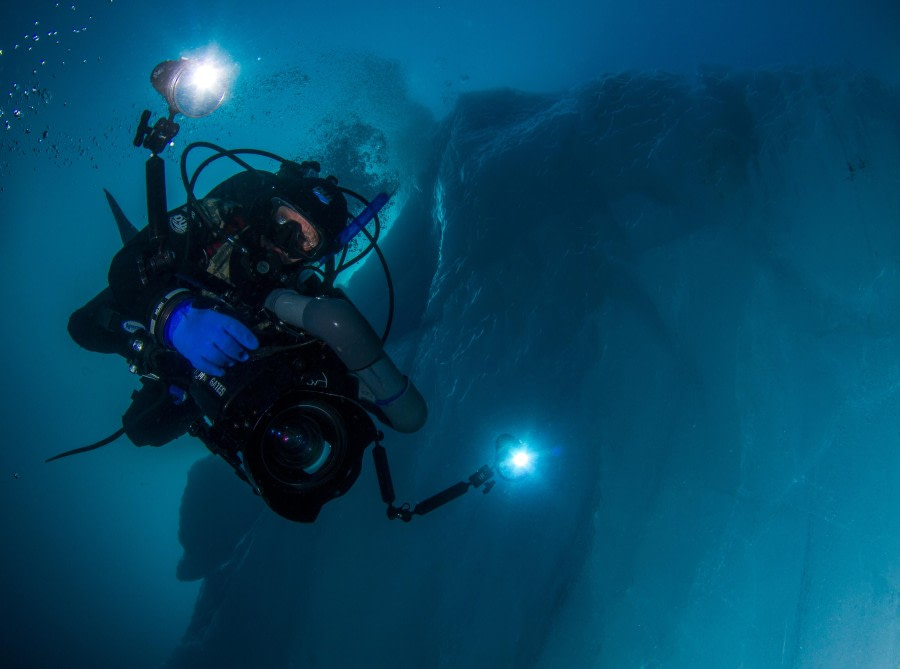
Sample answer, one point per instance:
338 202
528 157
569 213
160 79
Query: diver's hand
210 340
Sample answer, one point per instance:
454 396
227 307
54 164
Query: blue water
659 242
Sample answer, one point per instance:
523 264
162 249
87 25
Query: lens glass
295 442
199 89
294 232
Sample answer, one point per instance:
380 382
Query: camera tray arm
484 475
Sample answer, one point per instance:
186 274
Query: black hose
84 449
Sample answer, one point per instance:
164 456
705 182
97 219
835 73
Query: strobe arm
484 476
159 258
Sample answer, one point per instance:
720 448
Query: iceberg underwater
677 287
679 290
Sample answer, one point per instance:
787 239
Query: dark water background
666 254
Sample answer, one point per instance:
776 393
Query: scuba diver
226 308
238 298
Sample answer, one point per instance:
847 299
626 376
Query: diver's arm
97 326
337 322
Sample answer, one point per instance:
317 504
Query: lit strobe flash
521 459
206 76
196 86
514 458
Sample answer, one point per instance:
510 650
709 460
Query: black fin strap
84 449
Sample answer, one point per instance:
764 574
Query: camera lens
296 443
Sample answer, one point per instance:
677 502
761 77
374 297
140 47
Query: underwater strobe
192 87
512 460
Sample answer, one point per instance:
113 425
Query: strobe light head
514 459
194 87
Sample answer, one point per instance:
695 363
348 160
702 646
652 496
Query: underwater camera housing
287 425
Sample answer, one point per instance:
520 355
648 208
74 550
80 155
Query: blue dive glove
210 340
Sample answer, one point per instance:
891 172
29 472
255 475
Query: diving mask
294 231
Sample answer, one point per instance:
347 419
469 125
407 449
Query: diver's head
306 214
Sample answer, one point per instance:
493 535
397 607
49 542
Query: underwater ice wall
684 292
747 392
